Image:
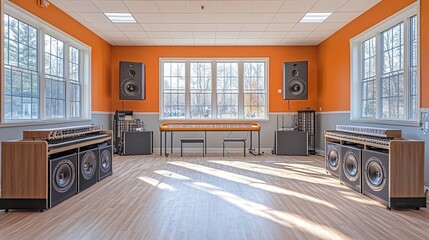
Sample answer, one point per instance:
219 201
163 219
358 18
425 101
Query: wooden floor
214 197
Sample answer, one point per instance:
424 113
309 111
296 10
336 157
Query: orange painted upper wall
334 56
100 49
151 55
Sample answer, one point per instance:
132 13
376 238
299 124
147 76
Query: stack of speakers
365 171
74 171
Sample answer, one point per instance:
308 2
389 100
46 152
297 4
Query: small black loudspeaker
295 79
132 81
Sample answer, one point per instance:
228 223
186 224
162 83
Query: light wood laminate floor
214 197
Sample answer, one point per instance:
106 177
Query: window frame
85 72
214 93
356 60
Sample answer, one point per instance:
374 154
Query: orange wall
334 57
101 50
424 53
150 56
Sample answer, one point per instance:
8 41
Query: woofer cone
333 158
296 87
64 176
88 163
105 161
375 175
351 166
131 87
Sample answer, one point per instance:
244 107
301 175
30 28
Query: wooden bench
190 140
226 140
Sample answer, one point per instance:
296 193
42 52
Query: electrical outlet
279 90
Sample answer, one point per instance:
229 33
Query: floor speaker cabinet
295 80
132 81
137 143
392 174
293 143
333 158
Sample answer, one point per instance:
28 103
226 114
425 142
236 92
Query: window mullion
67 77
378 85
214 90
407 93
240 89
187 89
42 77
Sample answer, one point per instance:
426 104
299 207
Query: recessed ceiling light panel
120 17
315 17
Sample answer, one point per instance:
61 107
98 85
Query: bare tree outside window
200 90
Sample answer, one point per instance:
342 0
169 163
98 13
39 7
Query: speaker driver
350 166
296 87
64 174
88 164
295 73
105 161
375 176
132 73
333 159
131 88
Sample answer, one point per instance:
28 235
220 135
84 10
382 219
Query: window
384 65
214 88
46 72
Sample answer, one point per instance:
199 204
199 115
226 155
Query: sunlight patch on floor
158 184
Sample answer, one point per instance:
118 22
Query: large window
214 88
46 72
385 71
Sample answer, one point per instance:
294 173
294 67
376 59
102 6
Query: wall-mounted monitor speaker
132 81
295 80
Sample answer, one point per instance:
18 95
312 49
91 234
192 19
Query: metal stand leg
181 149
160 143
259 142
165 146
205 141
223 149
244 147
171 142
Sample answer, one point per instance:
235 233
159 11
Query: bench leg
223 149
181 149
244 148
204 148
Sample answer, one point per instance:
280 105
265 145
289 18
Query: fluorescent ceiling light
120 17
315 17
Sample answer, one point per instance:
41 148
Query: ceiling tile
142 42
154 27
142 6
234 6
177 18
183 42
182 35
173 6
254 27
205 35
265 6
209 27
310 41
209 6
319 34
327 26
95 17
111 6
273 35
229 27
287 17
269 41
225 42
250 35
280 27
243 41
163 41
358 6
105 26
297 6
115 34
342 17
81 6
140 34
290 42
223 35
297 34
324 6
231 18
156 35
301 27
148 17
129 27
204 42
203 18
260 18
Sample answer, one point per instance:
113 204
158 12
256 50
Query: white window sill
213 120
24 123
388 122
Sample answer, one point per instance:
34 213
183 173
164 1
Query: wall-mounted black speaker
295 80
132 81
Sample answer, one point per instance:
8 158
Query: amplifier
293 143
137 143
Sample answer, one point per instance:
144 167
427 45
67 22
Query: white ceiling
221 22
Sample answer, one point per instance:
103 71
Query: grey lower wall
324 122
327 121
